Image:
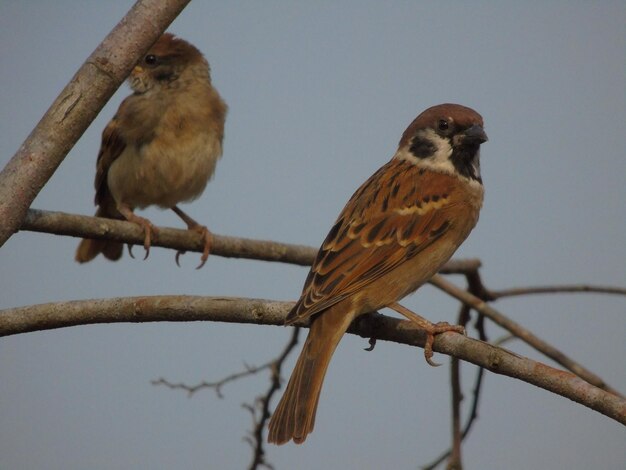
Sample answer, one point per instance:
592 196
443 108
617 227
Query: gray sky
319 96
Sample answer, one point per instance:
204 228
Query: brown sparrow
392 236
162 145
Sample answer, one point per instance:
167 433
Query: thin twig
521 332
582 288
470 421
257 438
476 287
455 462
217 385
261 403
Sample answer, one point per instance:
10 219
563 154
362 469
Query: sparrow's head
445 138
166 61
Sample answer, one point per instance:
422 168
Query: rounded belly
151 177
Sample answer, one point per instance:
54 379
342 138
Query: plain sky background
319 95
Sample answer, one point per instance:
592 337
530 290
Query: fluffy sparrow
162 145
392 236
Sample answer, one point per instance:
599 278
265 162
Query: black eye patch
422 147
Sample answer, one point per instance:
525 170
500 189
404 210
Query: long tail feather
294 417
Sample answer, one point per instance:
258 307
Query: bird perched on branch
392 236
162 145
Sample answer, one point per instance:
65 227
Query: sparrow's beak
475 135
138 70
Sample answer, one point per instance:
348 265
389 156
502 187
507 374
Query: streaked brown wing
110 149
395 214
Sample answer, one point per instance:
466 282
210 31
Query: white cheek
439 161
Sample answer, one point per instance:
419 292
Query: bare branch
261 403
236 310
142 309
217 385
76 107
60 223
521 332
558 290
455 462
476 287
256 438
468 425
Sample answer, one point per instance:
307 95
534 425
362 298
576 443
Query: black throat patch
466 161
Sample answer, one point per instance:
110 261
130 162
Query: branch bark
519 331
60 223
78 104
256 311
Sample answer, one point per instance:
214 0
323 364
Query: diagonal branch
237 310
77 106
519 331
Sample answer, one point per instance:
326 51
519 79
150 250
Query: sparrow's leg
145 224
431 329
196 227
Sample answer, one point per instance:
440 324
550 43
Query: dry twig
216 386
260 409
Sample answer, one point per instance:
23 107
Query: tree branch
60 223
77 106
237 310
256 438
519 331
557 290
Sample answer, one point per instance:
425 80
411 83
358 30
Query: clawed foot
196 227
148 229
431 329
208 239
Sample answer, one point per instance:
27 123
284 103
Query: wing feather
376 232
111 148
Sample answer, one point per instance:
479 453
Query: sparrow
392 236
162 145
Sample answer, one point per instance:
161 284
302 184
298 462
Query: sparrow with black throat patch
162 145
392 236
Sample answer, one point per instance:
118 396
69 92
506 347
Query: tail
89 248
294 416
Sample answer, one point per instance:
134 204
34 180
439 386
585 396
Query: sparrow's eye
443 125
150 59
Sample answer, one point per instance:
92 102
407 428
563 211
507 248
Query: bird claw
432 331
372 345
196 227
130 251
148 230
428 350
205 253
177 258
208 240
146 246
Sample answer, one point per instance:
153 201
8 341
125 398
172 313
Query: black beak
475 134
